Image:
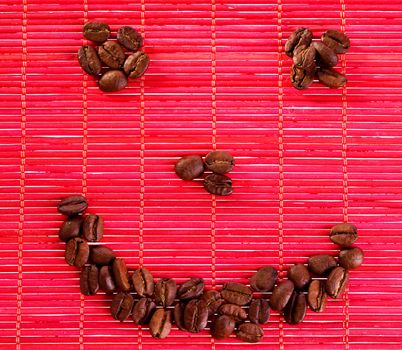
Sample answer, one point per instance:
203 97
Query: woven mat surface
218 79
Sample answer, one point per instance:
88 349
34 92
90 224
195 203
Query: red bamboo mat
218 79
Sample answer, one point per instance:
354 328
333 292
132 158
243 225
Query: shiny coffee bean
195 315
130 38
72 205
213 299
236 293
77 252
304 57
281 295
71 228
92 228
89 280
178 314
101 255
343 234
136 65
122 304
223 327
189 167
143 282
89 60
337 282
165 291
234 311
295 310
250 332
143 310
336 40
325 56
264 279
321 264
106 280
218 184
299 275
96 31
302 78
316 296
331 78
111 54
113 80
219 162
259 311
191 289
120 274
351 258
299 38
161 323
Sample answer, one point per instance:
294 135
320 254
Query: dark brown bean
111 54
299 275
101 255
304 57
130 38
302 78
281 295
195 315
336 40
71 228
331 78
72 205
122 304
321 264
317 297
264 279
136 65
301 37
89 280
77 252
98 32
234 311
161 323
113 80
351 258
337 282
179 316
165 291
325 56
120 274
106 280
89 60
213 299
220 185
92 228
189 167
295 310
236 293
191 289
250 332
259 311
343 234
143 310
223 327
219 162
143 282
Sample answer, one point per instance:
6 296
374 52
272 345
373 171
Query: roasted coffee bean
295 310
336 282
299 275
189 167
161 323
179 315
234 311
259 311
325 56
96 31
213 299
77 252
223 327
304 57
195 315
143 310
343 234
302 78
89 280
72 205
120 274
336 40
250 332
281 295
219 162
89 60
92 228
101 255
351 258
106 280
218 184
191 289
236 293
71 228
136 65
321 264
122 304
165 291
317 297
111 54
113 80
299 38
331 78
130 38
143 282
264 279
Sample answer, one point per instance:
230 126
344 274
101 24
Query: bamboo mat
218 79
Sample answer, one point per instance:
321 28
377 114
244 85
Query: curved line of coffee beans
108 62
315 58
137 295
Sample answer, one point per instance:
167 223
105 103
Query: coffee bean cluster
218 162
315 58
236 307
111 62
